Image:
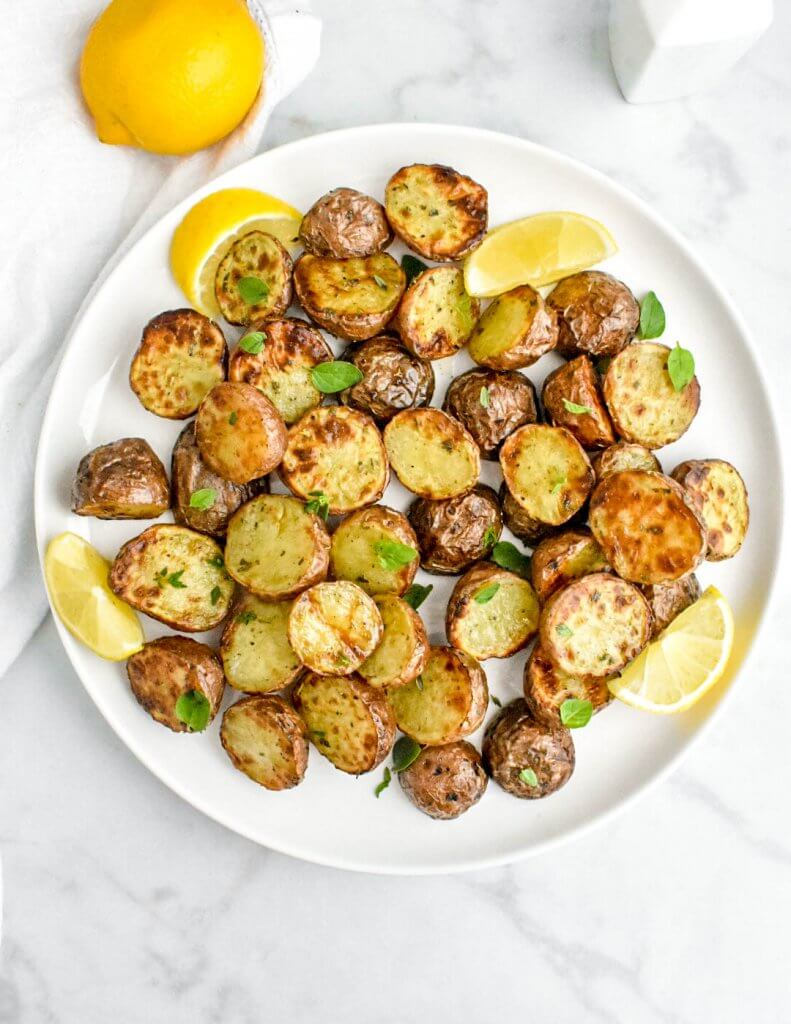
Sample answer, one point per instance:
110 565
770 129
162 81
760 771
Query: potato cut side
492 613
267 740
564 557
240 434
547 688
334 627
255 650
253 279
436 315
718 493
547 472
515 331
432 454
402 652
371 548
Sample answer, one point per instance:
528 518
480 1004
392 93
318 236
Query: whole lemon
171 76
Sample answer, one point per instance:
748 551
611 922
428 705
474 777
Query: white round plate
333 818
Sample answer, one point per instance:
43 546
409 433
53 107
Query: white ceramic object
333 818
663 49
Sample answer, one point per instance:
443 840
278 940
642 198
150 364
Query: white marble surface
124 905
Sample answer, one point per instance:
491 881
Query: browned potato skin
393 378
258 431
444 782
515 741
597 314
546 688
693 475
512 403
624 455
450 533
539 337
345 223
121 480
165 669
275 712
564 557
520 523
667 600
578 382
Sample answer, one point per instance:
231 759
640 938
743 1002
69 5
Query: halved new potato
240 434
333 627
515 331
371 547
436 316
444 782
121 480
564 557
668 600
718 493
267 740
572 399
457 532
527 758
253 279
492 613
547 688
401 654
624 455
169 668
432 454
596 313
255 650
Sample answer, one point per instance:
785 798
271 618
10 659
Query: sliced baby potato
349 722
393 378
564 557
492 613
180 358
337 453
596 313
175 575
333 627
255 650
267 740
253 279
240 434
444 782
491 404
547 688
402 652
668 600
432 454
521 524
527 758
436 316
375 548
446 702
172 667
457 532
718 493
437 211
515 331
624 455
121 480
345 223
276 548
571 399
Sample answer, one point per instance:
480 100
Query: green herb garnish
404 753
252 290
215 595
483 397
173 578
329 378
529 777
485 595
203 499
393 555
319 504
680 367
578 410
412 266
557 485
383 784
563 630
216 561
193 709
652 317
496 701
489 536
233 418
417 594
380 282
574 713
246 617
252 343
508 556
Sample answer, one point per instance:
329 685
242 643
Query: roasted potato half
444 782
267 740
547 688
276 548
345 223
515 331
446 702
571 399
647 526
564 557
349 722
121 480
436 316
520 522
393 379
624 455
256 654
402 652
432 454
353 298
180 358
333 627
595 626
174 575
491 404
527 758
338 453
596 313
253 279
718 493
667 600
371 548
240 435
281 370
492 613
455 533
164 670
643 404
437 211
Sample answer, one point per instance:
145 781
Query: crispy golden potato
595 626
667 600
571 399
345 223
547 688
276 548
402 652
267 740
338 453
121 480
564 557
352 298
516 747
446 702
180 358
256 654
647 526
240 434
718 493
371 548
174 575
281 370
492 613
644 405
432 454
597 314
348 721
164 670
437 211
491 404
515 331
253 279
624 455
455 533
393 379
444 782
333 627
436 316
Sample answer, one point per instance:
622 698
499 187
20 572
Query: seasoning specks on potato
572 399
401 654
432 454
491 404
375 548
345 223
492 613
597 314
393 378
564 557
624 455
334 627
266 739
547 688
255 650
121 480
253 279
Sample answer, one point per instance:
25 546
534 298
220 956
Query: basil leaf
680 367
404 753
508 556
557 485
380 282
496 701
483 397
652 317
383 784
412 266
203 499
529 777
246 617
175 580
252 343
215 595
336 376
417 594
603 365
319 504
578 410
216 561
393 555
574 713
489 537
193 709
563 630
485 595
252 290
233 418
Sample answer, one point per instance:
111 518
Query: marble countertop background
123 905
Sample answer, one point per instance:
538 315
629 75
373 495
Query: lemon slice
684 661
211 227
76 577
536 250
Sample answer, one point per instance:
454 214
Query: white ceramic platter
333 818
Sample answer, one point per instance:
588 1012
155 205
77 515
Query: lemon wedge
211 227
76 576
536 250
684 661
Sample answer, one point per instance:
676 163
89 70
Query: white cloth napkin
66 203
